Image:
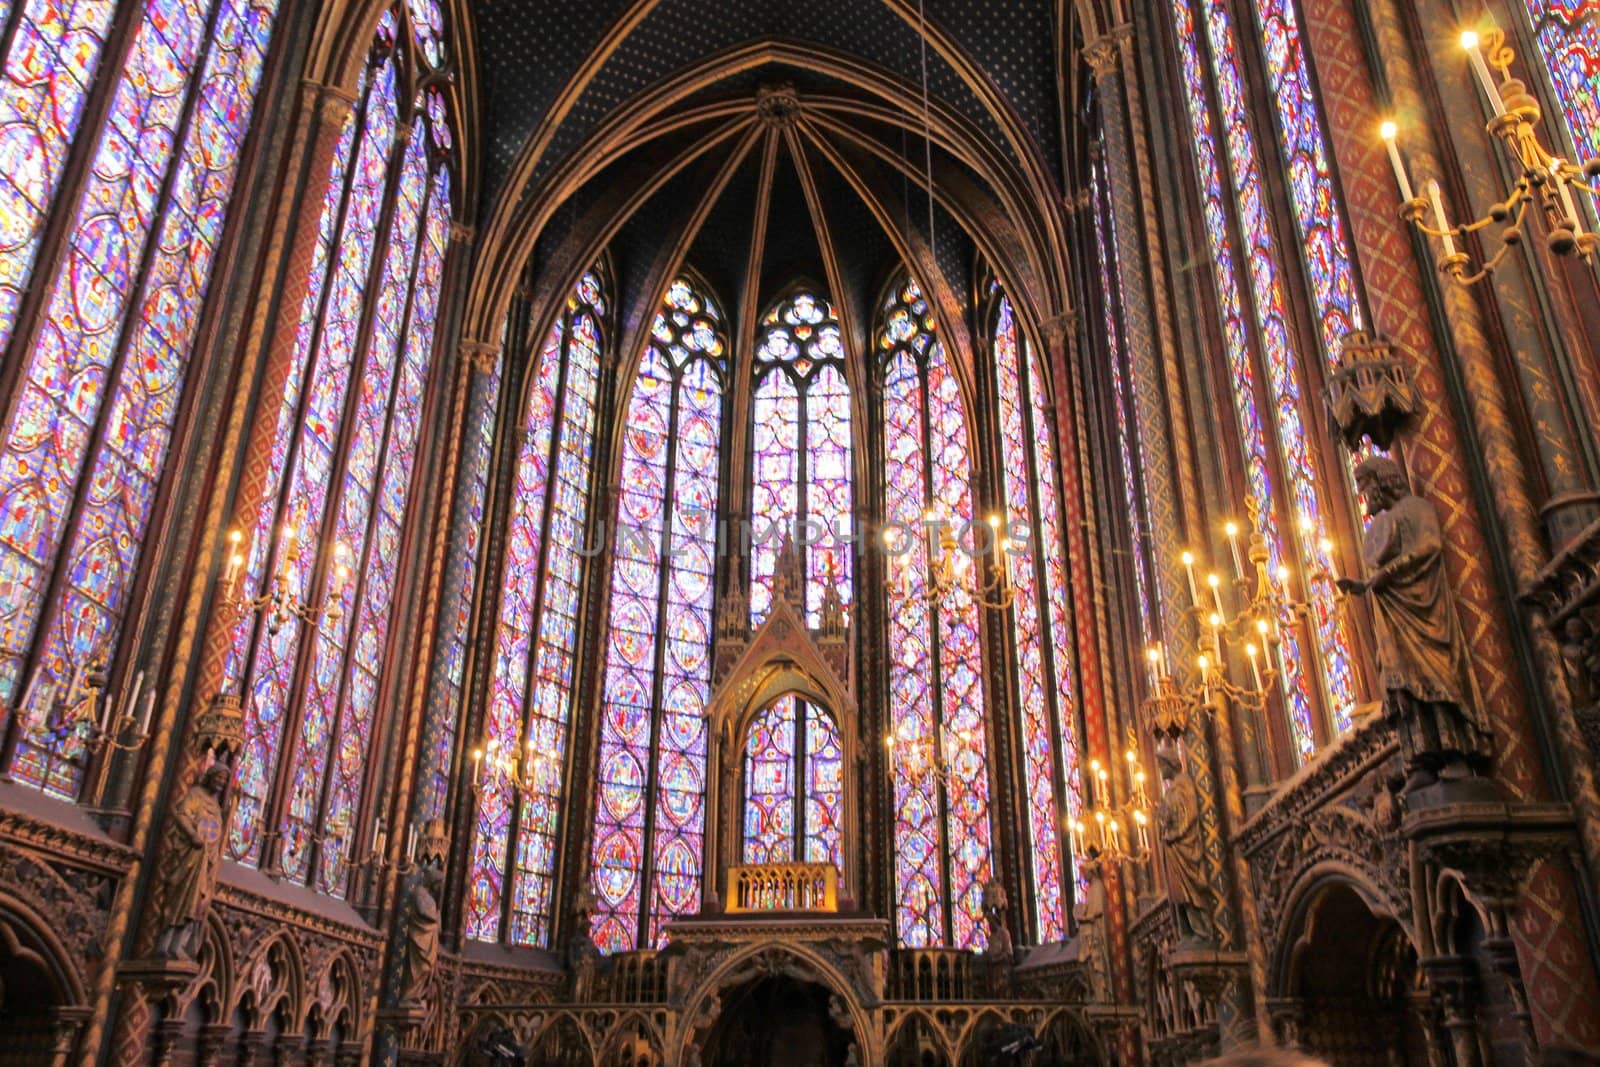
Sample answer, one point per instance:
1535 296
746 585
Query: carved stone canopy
781 658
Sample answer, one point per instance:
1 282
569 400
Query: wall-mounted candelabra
1544 179
278 601
950 567
1110 831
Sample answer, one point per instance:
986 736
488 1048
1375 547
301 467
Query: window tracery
341 467
121 296
1040 618
943 849
794 786
510 883
1307 486
648 843
803 455
1568 32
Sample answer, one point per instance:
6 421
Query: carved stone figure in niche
421 914
1178 824
582 954
1422 654
186 872
995 910
1090 913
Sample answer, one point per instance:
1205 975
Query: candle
378 841
1387 131
1232 530
1188 570
1216 631
1153 658
411 841
131 707
1566 195
477 764
1141 825
1216 590
1205 676
146 711
1469 41
1255 671
1440 221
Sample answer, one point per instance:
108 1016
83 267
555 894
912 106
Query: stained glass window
520 797
802 452
461 584
793 786
942 830
1281 360
1040 619
347 435
1569 38
102 366
1129 448
648 845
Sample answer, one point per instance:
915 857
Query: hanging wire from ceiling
927 121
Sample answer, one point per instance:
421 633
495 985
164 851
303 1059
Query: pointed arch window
1040 619
943 848
341 474
1568 32
1292 527
802 454
793 786
95 364
649 837
529 709
461 581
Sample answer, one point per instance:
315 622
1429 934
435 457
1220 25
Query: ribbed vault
759 142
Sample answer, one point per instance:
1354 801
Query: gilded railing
783 887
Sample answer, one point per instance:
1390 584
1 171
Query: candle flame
1388 130
1469 39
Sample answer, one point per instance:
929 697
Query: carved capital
480 355
1103 56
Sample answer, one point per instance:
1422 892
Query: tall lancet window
650 801
529 709
1040 617
1293 527
342 465
104 273
941 828
1569 38
461 586
802 451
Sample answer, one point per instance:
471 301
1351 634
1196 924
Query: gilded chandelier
276 600
1544 179
950 568
1109 831
1253 628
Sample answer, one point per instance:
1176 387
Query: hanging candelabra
950 568
1253 629
525 772
1110 831
278 601
921 759
1543 179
